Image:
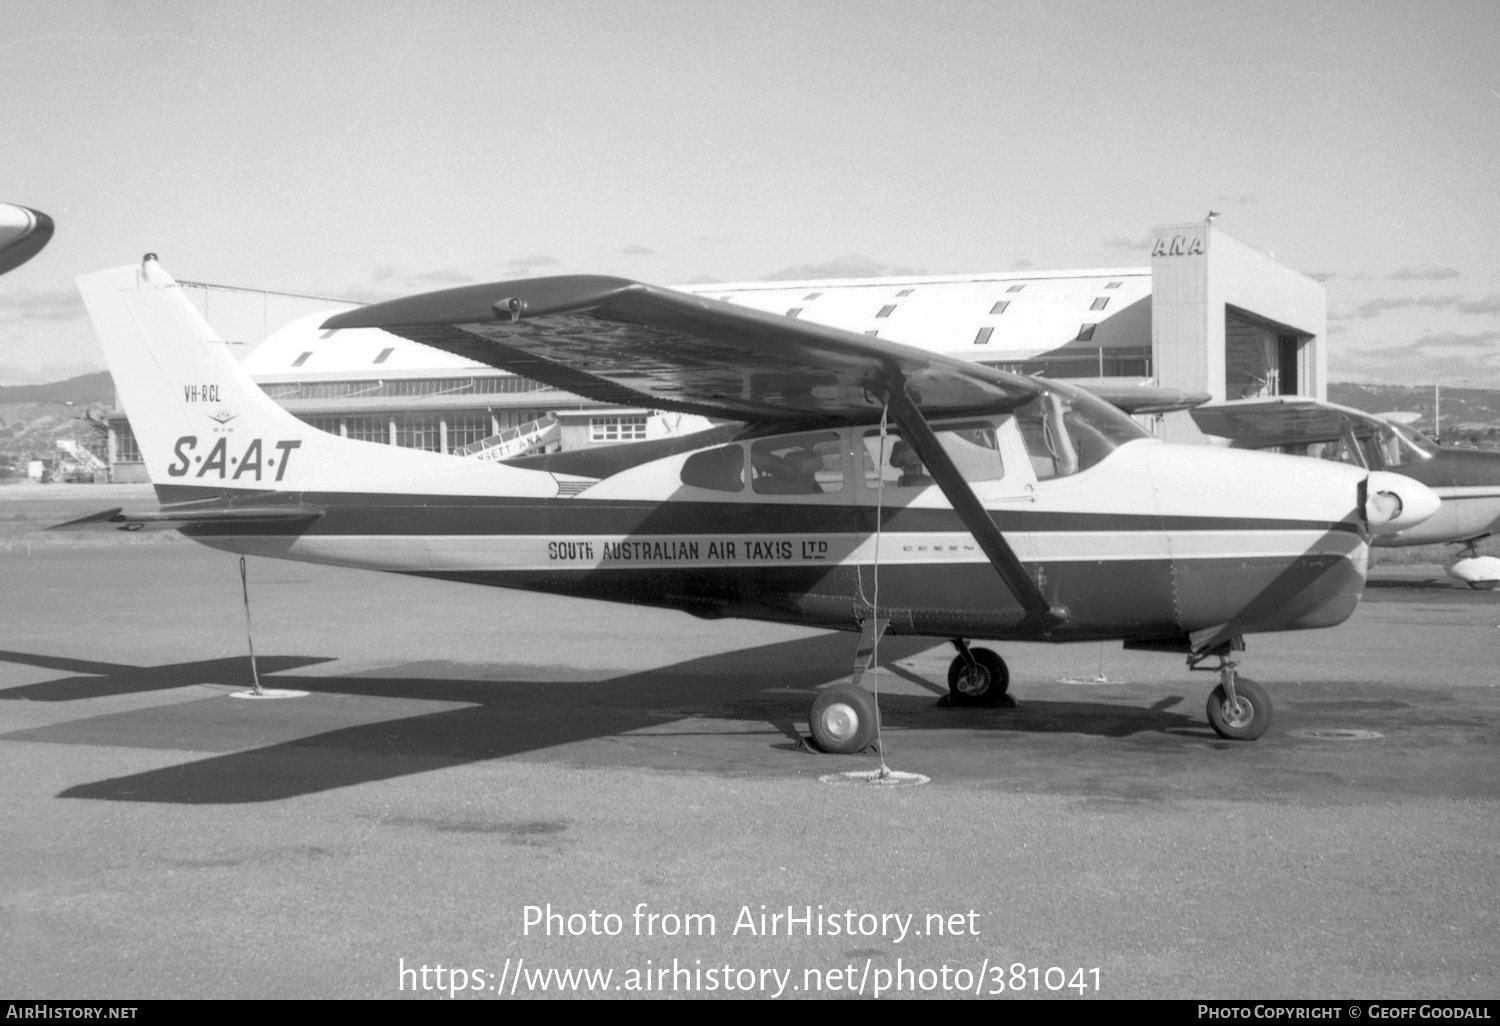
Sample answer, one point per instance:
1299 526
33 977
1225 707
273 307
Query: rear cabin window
810 464
973 449
718 470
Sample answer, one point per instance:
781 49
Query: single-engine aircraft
1466 480
23 233
863 486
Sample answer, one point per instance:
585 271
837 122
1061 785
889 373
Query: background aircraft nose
23 233
1394 502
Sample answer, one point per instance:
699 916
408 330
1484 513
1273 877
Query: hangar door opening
1260 358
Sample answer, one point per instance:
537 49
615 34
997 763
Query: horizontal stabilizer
170 519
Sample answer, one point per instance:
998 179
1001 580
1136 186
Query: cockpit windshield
1402 446
1066 430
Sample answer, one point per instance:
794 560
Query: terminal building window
368 429
127 450
332 425
466 428
420 431
617 429
506 384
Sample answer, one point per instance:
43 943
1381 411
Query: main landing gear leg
1238 709
978 677
844 718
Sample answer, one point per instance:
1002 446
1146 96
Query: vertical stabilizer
200 420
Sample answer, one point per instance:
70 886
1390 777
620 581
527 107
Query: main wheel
983 683
1245 721
843 720
1484 585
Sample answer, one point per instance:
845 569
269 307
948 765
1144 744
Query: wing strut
969 509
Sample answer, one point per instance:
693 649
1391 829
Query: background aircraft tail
200 421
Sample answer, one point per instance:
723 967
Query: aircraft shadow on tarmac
494 718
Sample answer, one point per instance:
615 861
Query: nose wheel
977 677
1238 709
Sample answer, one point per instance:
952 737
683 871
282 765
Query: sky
373 149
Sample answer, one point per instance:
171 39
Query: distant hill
98 387
1462 407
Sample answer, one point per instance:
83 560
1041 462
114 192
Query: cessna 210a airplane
1466 480
862 486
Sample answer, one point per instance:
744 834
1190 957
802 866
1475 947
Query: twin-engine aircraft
1466 480
862 486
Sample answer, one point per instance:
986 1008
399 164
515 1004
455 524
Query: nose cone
1394 502
23 233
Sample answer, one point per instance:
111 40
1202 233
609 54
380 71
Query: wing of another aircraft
631 344
1140 397
1283 420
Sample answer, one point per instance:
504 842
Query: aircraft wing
117 519
1139 397
630 344
1282 420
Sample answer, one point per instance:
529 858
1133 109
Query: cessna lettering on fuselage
218 459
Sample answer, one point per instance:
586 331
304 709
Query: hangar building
1209 314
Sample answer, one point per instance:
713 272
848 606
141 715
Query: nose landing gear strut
1238 709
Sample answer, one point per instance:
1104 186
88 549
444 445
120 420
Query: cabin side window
807 464
1066 432
718 470
893 463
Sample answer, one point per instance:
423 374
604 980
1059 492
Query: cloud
384 273
716 240
446 276
1442 357
1375 307
61 304
1141 243
635 250
1488 305
1423 272
13 374
852 265
1022 265
525 263
702 279
1322 275
372 295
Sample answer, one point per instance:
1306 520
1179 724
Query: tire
843 720
1484 585
1248 722
984 684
